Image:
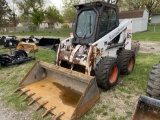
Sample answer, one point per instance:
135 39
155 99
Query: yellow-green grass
64 32
152 34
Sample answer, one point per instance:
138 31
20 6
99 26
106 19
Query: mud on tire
107 72
153 88
126 59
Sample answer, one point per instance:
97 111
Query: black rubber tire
104 72
153 88
126 59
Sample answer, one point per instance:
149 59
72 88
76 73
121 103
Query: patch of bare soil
7 113
11 114
149 47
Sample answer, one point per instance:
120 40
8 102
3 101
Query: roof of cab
96 3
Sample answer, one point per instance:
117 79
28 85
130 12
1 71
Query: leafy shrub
32 28
65 25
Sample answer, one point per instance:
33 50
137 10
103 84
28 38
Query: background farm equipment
148 107
10 42
28 47
31 39
51 43
1 40
28 44
16 57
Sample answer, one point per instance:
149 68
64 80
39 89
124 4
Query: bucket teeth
34 100
18 89
24 92
48 111
58 117
29 96
41 105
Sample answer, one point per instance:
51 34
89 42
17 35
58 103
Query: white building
139 18
23 26
44 24
155 18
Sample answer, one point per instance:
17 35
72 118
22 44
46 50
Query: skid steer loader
98 52
148 107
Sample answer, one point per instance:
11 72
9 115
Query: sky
57 3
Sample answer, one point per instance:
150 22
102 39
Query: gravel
7 113
11 115
149 47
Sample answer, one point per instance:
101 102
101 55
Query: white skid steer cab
98 52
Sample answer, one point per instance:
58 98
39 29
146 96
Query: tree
38 17
53 15
151 5
5 14
69 12
108 1
123 5
32 10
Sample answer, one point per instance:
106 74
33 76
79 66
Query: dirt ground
7 113
149 47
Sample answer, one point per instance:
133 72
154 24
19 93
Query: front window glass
86 23
107 21
113 19
104 23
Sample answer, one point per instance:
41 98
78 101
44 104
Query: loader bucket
28 47
147 109
66 94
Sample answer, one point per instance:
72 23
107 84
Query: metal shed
139 17
155 19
